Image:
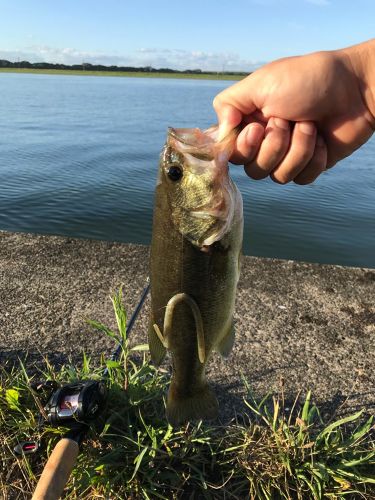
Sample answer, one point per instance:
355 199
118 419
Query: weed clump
132 452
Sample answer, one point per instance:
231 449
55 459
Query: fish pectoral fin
225 345
156 345
184 297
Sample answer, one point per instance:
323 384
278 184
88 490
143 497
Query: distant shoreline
132 74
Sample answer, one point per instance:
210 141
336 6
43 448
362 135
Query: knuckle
259 175
318 163
280 178
252 170
331 163
236 161
303 181
310 173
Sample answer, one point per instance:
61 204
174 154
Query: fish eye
174 173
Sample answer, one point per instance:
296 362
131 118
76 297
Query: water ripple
78 157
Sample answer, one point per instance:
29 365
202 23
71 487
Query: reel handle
57 470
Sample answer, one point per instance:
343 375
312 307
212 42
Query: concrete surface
311 325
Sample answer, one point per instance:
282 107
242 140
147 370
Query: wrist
361 57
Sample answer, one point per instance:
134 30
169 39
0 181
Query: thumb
228 117
233 104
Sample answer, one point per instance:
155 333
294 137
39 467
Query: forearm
362 60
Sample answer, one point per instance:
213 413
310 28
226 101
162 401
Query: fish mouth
196 137
182 135
172 132
192 141
203 144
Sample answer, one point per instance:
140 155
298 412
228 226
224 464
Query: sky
215 35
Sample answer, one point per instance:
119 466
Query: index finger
231 105
228 117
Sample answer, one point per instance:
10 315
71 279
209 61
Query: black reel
74 405
79 402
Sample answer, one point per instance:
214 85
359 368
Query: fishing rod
76 406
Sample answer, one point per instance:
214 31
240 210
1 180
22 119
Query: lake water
78 157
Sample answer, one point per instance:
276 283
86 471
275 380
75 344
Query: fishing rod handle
57 470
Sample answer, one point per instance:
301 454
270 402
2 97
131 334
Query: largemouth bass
195 259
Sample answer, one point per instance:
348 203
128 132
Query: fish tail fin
202 404
157 349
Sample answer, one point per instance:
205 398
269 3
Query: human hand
301 115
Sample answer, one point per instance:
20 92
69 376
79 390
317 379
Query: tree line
100 67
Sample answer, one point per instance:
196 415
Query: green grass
274 452
136 74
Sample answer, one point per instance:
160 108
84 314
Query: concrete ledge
313 325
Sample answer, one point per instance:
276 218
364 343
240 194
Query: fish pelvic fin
172 303
199 405
226 343
156 346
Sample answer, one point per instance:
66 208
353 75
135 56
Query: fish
196 249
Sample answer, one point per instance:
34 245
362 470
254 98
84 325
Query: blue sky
181 34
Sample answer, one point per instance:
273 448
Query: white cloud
67 55
155 57
195 59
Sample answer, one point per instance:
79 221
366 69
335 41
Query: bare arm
300 115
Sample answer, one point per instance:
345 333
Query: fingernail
307 128
280 123
254 134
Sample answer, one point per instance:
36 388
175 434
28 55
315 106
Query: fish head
195 174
